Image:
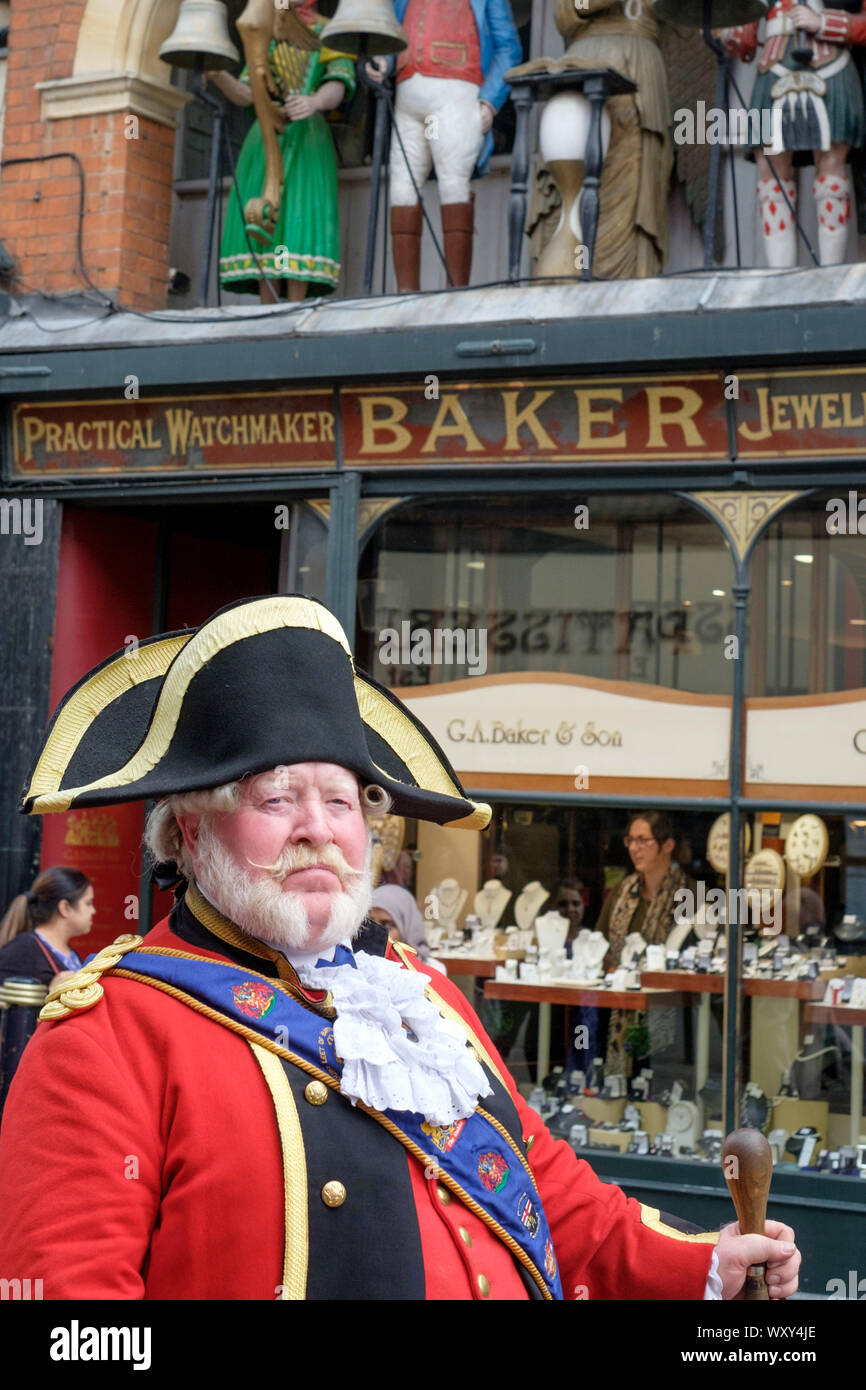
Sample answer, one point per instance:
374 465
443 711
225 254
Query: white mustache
295 857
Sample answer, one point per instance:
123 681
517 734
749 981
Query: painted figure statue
287 169
819 98
450 84
632 230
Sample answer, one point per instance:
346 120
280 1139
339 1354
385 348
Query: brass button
443 1194
464 1235
529 1143
333 1194
483 1286
316 1093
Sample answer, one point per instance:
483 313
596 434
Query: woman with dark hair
36 931
643 902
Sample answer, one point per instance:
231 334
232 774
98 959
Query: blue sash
475 1154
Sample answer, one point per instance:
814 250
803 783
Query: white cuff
714 1279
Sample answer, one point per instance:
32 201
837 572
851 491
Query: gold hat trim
101 690
244 620
410 745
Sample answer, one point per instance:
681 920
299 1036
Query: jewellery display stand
450 898
491 902
529 903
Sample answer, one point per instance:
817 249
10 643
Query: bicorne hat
263 683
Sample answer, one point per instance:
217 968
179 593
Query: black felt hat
263 683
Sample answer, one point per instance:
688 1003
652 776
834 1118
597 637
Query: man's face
299 831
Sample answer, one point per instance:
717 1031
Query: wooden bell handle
748 1167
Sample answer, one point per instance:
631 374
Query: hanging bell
200 38
720 14
365 26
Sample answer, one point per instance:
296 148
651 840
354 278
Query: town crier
263 1098
450 85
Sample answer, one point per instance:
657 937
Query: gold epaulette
82 990
402 950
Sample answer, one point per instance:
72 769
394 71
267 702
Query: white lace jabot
424 1067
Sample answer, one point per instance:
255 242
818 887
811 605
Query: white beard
259 906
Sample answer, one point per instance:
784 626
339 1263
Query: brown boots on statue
458 225
406 225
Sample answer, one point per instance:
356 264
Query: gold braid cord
82 990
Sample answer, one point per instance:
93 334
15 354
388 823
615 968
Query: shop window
627 588
809 598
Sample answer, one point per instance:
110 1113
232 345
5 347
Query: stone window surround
98 93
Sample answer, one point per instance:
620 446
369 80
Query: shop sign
556 421
807 414
270 429
807 741
557 725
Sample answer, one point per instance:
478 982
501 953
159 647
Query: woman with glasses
643 902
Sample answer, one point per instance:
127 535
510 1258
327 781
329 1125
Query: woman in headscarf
395 908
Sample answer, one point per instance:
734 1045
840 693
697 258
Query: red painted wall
104 596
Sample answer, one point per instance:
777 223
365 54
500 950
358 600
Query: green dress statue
306 241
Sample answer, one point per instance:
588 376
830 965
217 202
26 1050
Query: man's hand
804 18
487 114
776 1250
377 69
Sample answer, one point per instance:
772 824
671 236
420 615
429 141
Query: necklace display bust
551 930
450 898
529 903
491 902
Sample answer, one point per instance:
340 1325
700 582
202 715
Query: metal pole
380 134
216 149
716 150
733 976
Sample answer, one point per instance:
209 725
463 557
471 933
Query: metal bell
200 38
721 14
365 26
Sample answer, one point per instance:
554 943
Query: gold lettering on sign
34 430
326 426
804 411
780 405
829 406
847 422
372 425
514 418
587 417
762 430
450 405
682 417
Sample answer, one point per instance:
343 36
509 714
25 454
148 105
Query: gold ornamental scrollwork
83 989
743 514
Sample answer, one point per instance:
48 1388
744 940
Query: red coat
139 1158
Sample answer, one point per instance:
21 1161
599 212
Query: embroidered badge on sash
253 998
444 1136
528 1214
493 1170
328 1051
549 1260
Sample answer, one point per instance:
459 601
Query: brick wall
127 181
